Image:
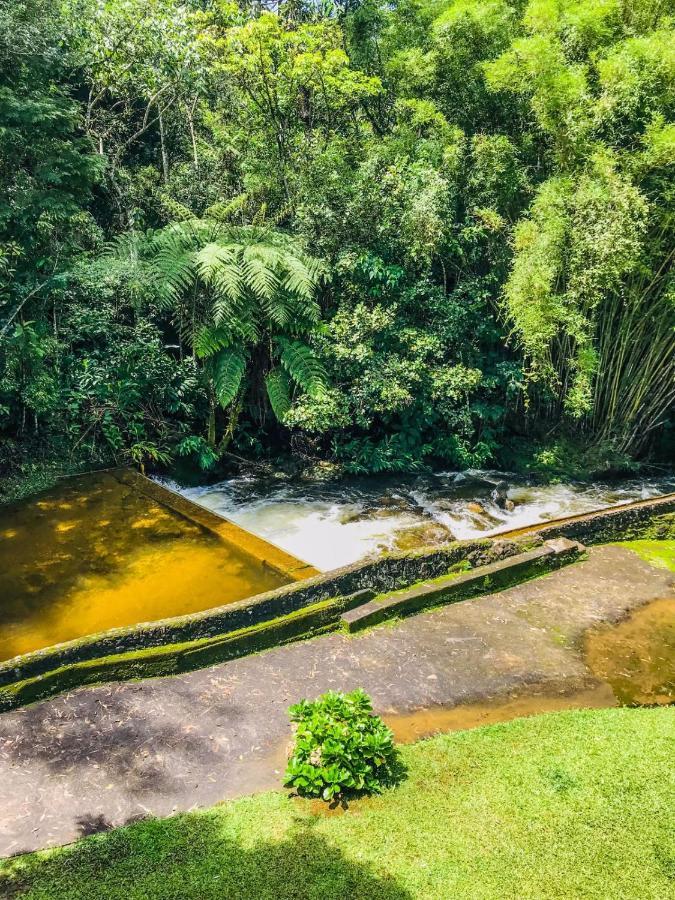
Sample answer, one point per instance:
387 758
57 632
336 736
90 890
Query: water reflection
333 524
94 554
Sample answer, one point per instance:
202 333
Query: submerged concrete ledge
269 555
295 610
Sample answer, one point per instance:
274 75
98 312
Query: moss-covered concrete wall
385 573
655 517
292 611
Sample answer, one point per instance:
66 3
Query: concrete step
454 587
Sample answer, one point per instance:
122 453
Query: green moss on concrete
456 587
454 572
657 553
172 659
662 528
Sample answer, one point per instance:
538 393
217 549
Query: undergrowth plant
340 747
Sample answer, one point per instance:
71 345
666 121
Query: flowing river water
331 524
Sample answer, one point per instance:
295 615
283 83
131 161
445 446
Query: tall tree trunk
237 408
162 140
190 110
211 427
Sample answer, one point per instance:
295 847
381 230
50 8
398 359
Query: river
330 524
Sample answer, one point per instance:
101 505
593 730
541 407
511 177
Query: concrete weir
455 587
312 603
268 555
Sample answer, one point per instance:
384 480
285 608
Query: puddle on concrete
637 655
94 554
633 660
422 723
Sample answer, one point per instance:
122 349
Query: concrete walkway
99 757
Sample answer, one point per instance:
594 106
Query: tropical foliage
393 235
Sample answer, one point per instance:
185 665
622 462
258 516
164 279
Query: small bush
340 747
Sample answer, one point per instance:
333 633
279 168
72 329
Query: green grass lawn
658 553
572 804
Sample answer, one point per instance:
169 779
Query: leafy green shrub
340 747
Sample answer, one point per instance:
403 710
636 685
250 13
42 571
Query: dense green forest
384 234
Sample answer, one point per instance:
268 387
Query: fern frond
208 341
279 392
283 213
228 368
229 283
260 276
174 272
276 309
222 211
179 212
260 214
304 368
297 278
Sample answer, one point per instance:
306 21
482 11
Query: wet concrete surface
99 757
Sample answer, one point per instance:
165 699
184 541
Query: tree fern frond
222 211
209 341
279 392
174 272
179 212
260 214
229 284
297 278
304 368
130 246
213 257
228 368
260 277
276 309
283 213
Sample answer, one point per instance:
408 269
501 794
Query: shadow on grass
196 856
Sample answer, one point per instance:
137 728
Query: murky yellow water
423 723
95 554
637 656
632 660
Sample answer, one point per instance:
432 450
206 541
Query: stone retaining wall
385 573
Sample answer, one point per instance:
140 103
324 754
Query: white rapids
331 524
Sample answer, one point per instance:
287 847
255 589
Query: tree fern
234 288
